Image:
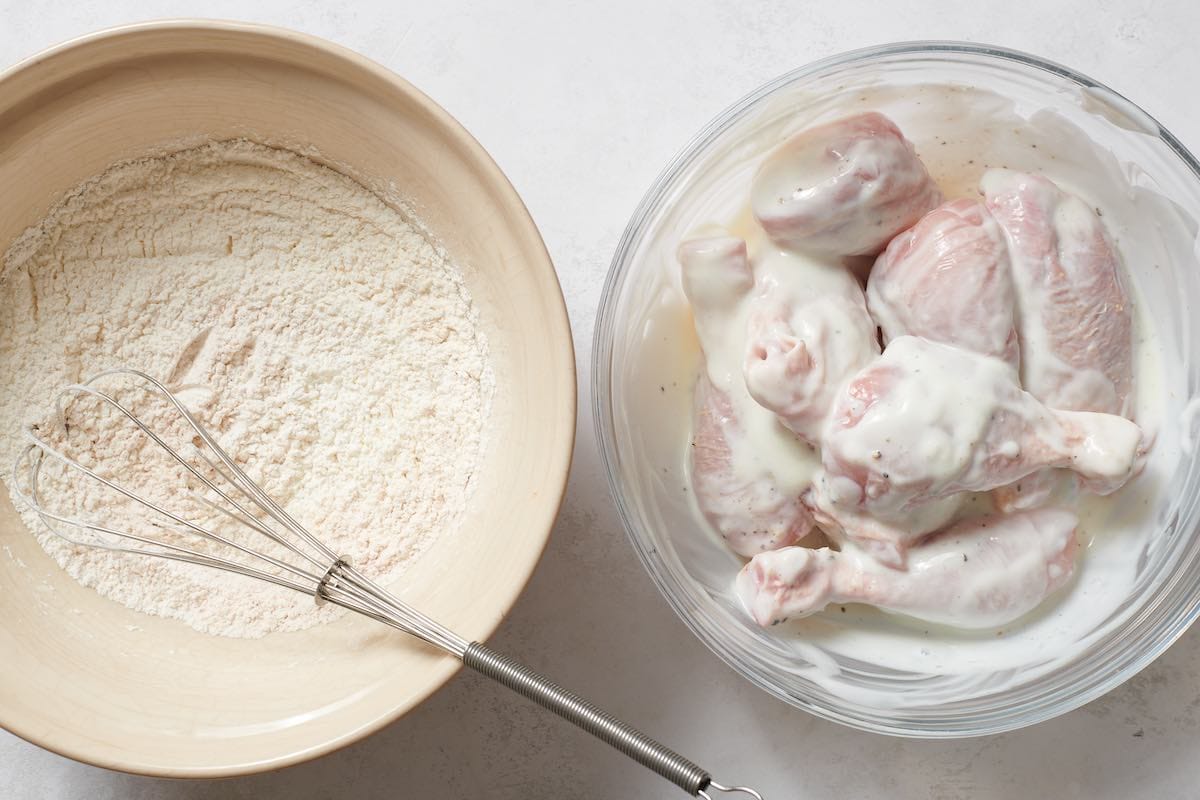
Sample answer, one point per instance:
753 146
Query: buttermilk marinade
1070 553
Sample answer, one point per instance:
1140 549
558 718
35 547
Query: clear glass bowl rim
990 721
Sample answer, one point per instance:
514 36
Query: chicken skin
802 351
843 188
1075 321
750 512
1006 368
979 573
926 422
947 279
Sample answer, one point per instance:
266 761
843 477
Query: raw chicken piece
751 513
927 421
948 279
1074 317
748 507
980 573
801 354
716 277
843 188
1074 320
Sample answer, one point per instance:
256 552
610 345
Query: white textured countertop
582 104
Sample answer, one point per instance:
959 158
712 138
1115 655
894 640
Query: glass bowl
1136 588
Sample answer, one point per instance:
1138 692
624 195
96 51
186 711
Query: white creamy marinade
959 133
905 435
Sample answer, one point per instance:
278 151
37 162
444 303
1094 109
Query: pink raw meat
928 421
843 188
799 358
948 279
1075 321
751 514
979 573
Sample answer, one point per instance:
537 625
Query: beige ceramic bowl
92 680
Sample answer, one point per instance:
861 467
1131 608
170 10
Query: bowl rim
552 492
601 379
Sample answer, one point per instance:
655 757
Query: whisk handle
633 743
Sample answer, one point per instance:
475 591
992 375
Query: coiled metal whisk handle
690 777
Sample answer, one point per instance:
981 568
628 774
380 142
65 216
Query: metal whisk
289 556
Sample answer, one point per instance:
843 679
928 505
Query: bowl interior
93 680
966 108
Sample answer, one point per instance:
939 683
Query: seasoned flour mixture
318 333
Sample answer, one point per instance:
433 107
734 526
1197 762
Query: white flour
328 344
